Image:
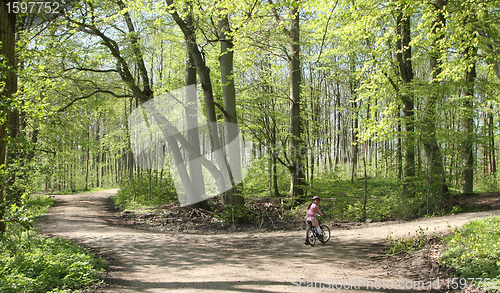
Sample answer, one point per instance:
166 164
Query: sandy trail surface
353 260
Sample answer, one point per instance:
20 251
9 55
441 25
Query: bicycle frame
315 233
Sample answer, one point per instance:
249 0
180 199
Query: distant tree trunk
129 156
337 129
354 131
491 129
275 174
7 76
399 151
87 162
98 161
329 133
365 188
149 185
105 168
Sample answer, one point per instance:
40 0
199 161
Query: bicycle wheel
325 232
310 236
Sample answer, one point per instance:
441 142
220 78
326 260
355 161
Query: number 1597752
32 7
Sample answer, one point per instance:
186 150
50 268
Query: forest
391 107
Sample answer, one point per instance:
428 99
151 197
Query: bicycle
312 233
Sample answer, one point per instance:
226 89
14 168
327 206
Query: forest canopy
402 92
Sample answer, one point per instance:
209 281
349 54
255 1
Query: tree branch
122 66
139 58
91 70
90 95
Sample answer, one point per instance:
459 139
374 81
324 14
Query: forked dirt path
144 261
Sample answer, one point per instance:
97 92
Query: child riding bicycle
312 211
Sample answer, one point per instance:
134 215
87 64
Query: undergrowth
474 250
405 245
33 263
138 194
30 262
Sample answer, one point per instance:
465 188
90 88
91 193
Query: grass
30 262
474 250
39 205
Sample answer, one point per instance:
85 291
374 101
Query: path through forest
278 261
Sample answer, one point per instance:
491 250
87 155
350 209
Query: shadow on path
143 261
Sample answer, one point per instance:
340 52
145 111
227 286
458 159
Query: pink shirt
313 210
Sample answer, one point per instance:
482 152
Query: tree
404 62
431 146
468 115
320 85
193 135
297 147
226 61
203 70
8 87
297 184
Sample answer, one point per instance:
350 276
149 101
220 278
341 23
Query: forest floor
176 250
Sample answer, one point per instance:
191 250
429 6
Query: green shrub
19 216
404 245
474 250
238 214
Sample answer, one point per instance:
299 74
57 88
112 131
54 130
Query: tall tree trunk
431 147
468 124
404 57
7 76
146 93
206 84
229 103
297 172
467 145
195 168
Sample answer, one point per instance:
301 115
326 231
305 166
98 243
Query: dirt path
144 261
